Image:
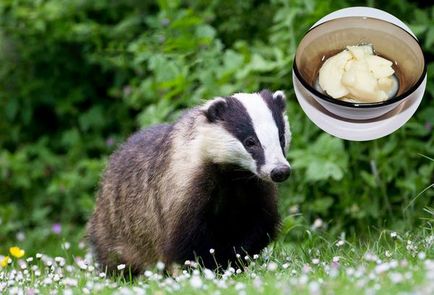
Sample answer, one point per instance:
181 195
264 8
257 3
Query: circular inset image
359 73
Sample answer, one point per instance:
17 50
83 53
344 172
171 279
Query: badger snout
280 173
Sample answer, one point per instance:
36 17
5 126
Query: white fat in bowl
359 112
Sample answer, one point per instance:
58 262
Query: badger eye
250 142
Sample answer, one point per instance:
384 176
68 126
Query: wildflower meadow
78 77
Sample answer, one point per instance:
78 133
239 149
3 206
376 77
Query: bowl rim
357 105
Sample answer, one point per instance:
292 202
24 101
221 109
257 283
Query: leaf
321 205
258 63
93 118
429 38
418 30
163 68
321 170
368 178
206 32
287 224
324 159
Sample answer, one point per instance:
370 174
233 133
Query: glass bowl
389 41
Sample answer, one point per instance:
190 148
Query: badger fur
172 192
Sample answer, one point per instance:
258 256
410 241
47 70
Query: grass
389 263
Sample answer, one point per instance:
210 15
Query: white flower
19 277
56 277
336 259
211 251
239 286
66 245
221 284
81 264
70 282
393 235
148 273
121 266
388 253
421 255
30 259
38 255
209 274
294 209
227 274
285 265
196 282
318 223
314 287
102 275
333 272
238 271
350 271
303 280
60 260
340 243
396 277
272 266
194 264
238 256
47 281
256 256
257 283
370 257
315 261
138 291
382 268
21 236
160 266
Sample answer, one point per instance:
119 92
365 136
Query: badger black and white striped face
252 131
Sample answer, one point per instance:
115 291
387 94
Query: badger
201 188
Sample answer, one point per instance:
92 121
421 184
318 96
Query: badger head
250 130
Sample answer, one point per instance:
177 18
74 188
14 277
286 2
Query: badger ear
215 110
279 98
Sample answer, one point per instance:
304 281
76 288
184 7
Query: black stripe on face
277 108
236 120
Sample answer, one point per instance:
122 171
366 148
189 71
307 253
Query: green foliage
77 77
325 158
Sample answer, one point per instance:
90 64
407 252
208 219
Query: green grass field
390 263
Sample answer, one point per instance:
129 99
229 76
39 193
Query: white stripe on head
266 131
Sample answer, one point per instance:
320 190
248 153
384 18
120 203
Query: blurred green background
78 77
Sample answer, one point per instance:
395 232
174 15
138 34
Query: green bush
77 77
